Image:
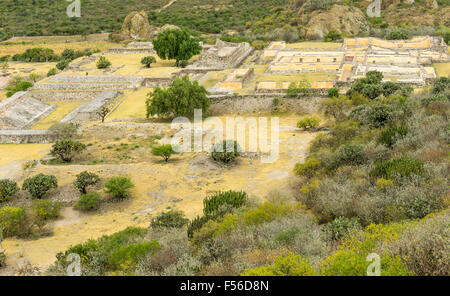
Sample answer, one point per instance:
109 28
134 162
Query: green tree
66 149
147 61
176 44
119 187
85 179
39 185
179 99
8 189
165 151
13 221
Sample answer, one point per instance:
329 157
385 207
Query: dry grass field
59 113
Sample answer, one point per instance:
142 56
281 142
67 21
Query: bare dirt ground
180 184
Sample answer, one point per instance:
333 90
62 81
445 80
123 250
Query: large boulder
136 26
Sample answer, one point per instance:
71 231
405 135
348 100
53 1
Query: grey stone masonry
22 111
95 79
88 112
25 136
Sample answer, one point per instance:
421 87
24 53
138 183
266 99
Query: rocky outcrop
136 26
339 18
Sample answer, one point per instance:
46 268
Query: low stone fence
239 104
25 136
95 79
126 50
157 81
82 86
65 95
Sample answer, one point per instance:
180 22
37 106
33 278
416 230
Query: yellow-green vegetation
132 106
64 108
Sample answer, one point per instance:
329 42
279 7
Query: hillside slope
269 19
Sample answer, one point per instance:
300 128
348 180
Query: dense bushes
36 55
291 265
119 252
400 167
8 189
17 84
171 219
217 205
88 202
39 185
13 221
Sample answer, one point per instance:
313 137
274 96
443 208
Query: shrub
66 150
13 221
51 72
348 155
389 88
291 265
419 207
403 167
103 63
61 65
147 61
308 123
353 263
397 35
441 85
333 92
226 151
85 179
39 185
126 258
308 168
171 219
341 227
46 209
221 203
119 187
333 36
390 135
269 211
64 130
17 84
88 202
379 116
165 151
8 189
335 106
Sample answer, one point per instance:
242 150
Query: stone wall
82 86
65 95
232 104
25 136
95 79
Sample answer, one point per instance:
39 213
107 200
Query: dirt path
166 6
